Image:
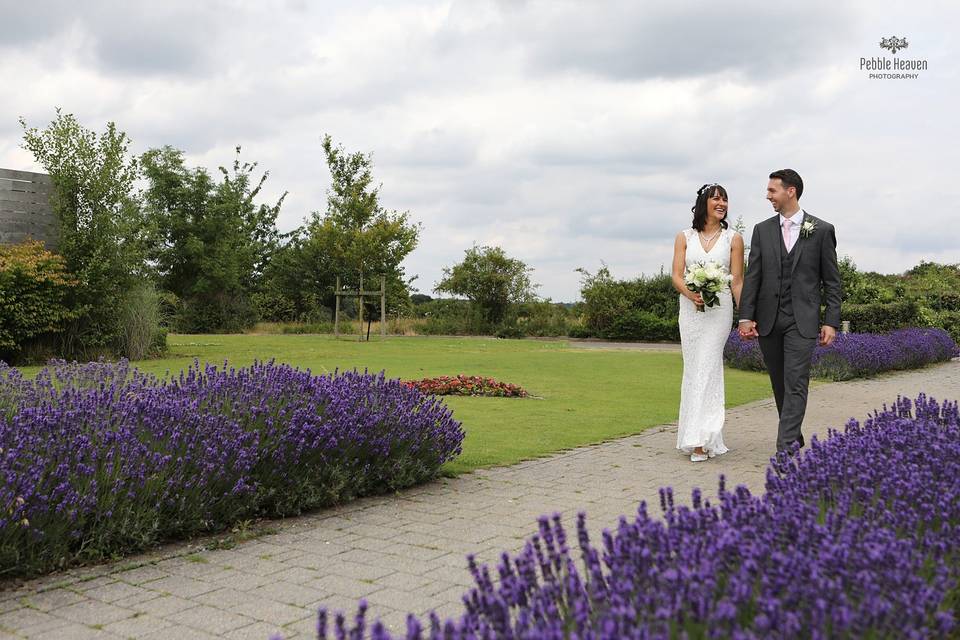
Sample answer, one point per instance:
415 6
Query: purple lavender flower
854 355
858 536
97 459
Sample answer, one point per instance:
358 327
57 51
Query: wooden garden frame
359 293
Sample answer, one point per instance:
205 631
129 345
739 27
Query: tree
362 236
355 239
99 224
491 280
209 242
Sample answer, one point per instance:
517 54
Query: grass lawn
587 395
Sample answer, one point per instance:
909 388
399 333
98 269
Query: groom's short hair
789 178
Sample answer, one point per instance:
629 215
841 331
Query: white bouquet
708 279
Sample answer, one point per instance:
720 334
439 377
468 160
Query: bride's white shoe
699 457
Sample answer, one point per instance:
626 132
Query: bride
703 334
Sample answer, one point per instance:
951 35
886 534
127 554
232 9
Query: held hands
696 298
827 335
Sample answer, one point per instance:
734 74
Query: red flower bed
462 385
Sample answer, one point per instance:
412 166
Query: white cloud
571 133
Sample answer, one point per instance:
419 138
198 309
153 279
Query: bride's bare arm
736 266
679 266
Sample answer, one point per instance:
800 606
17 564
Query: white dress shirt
797 220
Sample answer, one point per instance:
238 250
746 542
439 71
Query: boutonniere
807 228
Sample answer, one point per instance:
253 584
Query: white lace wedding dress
702 337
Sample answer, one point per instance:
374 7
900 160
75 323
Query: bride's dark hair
699 208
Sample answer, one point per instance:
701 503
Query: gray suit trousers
787 355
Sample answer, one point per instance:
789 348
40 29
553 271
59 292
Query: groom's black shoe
793 448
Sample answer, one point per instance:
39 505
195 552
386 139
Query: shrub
855 537
949 301
314 327
141 332
34 288
545 318
97 460
610 305
637 324
882 317
949 321
510 331
854 355
454 317
580 331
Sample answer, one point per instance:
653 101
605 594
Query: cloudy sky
568 132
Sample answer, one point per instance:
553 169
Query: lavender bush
855 355
858 536
99 459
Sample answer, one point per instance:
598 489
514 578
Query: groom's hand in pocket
827 335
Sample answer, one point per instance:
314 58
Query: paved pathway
406 552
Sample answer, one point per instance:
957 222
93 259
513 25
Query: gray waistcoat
786 268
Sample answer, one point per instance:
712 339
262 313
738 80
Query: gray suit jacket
814 266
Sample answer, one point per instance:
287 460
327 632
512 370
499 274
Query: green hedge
638 324
882 317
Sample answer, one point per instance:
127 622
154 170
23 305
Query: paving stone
225 598
198 568
132 602
91 612
141 575
259 631
295 575
54 599
25 620
137 626
116 591
165 605
405 581
235 579
305 628
296 595
181 586
272 612
353 570
74 632
344 586
178 632
259 566
210 619
94 583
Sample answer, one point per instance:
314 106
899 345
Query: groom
792 255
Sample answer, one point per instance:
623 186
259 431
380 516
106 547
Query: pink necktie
786 234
